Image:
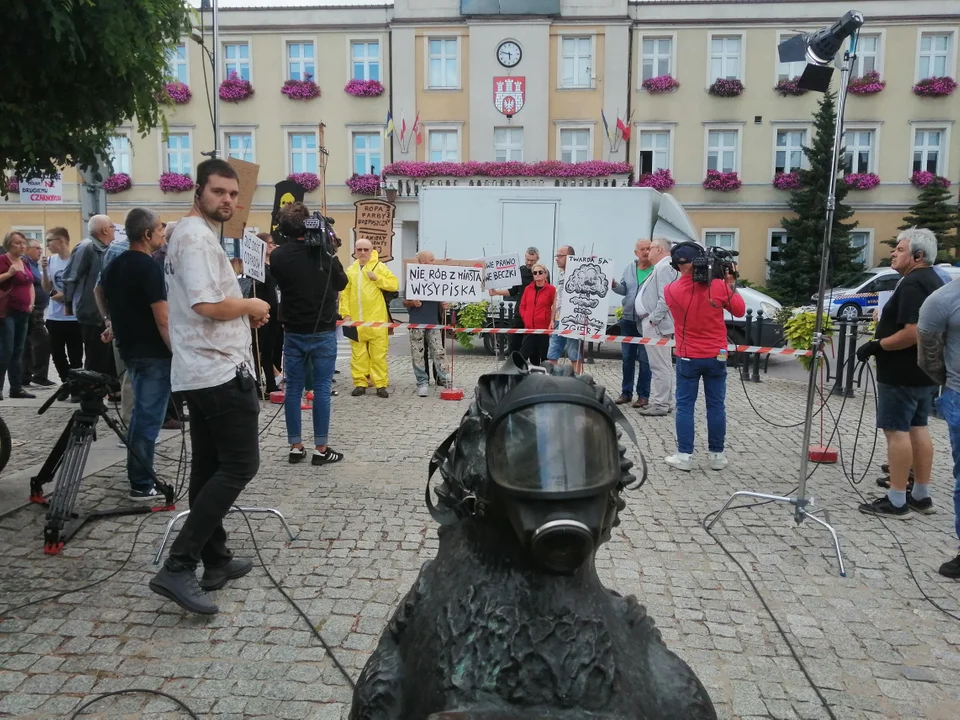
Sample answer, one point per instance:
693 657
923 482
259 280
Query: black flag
287 191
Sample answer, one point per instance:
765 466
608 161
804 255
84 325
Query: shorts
559 343
900 408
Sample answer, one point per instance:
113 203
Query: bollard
841 359
852 355
744 358
759 342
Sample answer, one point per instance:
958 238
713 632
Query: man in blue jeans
635 274
309 278
939 357
136 304
560 344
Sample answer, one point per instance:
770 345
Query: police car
861 296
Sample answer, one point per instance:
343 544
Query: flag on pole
624 129
418 130
389 127
403 126
606 126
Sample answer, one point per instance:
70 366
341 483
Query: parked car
861 296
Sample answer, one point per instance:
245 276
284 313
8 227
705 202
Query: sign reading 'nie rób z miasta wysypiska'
508 94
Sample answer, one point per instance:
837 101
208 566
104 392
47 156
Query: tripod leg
836 541
67 487
50 464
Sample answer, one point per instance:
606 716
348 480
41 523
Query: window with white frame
725 57
177 62
862 241
934 54
120 155
365 57
444 146
367 153
443 63
858 151
576 62
928 150
240 145
657 57
236 59
722 150
776 240
789 156
300 60
726 239
868 55
654 151
30 232
574 145
508 144
303 152
179 156
789 70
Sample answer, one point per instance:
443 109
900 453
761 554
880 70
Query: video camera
87 385
716 262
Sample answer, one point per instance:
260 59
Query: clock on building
509 53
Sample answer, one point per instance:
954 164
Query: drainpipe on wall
390 55
630 94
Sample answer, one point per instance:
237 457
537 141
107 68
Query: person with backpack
370 288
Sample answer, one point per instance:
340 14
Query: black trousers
36 351
98 354
66 346
534 348
225 456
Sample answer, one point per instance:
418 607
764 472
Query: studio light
818 50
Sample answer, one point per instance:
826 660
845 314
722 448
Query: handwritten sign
42 189
374 222
444 283
586 289
501 271
247 173
253 252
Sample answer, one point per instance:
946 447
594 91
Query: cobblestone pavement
869 640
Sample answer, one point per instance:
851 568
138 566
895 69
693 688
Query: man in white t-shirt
66 341
210 323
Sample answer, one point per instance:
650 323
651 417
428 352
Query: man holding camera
309 275
701 348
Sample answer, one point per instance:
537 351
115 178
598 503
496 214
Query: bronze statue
510 620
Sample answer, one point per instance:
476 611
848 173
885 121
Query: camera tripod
68 459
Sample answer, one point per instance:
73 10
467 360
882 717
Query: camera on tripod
716 262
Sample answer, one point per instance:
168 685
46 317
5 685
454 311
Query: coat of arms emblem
508 94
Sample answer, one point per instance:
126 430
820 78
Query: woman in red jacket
536 312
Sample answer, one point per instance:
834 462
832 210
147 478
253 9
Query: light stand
818 48
197 37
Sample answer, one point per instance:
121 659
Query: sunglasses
539 272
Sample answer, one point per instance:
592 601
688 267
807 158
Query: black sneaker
382 393
882 507
951 568
924 507
145 496
21 394
182 587
296 455
44 382
216 578
326 457
358 391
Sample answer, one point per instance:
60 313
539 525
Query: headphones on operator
700 252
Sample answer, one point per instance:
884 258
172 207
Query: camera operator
701 349
309 275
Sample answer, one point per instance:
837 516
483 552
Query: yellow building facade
578 61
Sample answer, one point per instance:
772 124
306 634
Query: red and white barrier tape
659 342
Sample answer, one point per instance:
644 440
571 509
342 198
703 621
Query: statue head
538 449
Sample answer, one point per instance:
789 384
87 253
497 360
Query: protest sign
374 222
444 283
501 271
42 190
253 252
247 173
285 193
586 291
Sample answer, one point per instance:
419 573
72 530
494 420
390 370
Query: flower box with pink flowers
171 182
787 181
305 89
722 87
861 181
661 180
308 181
869 84
922 178
546 168
363 184
935 87
660 84
13 185
789 87
722 181
117 182
178 93
235 88
364 88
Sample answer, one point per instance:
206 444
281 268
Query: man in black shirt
309 279
134 290
904 391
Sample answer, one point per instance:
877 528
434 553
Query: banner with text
444 283
586 290
253 252
501 271
42 190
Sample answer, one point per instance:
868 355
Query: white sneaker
718 461
681 461
423 391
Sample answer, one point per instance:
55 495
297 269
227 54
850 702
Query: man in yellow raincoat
362 300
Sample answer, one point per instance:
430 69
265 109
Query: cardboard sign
42 190
248 173
253 253
501 271
286 192
374 222
444 283
586 291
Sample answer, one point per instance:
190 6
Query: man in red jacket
701 349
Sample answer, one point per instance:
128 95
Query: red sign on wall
508 94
